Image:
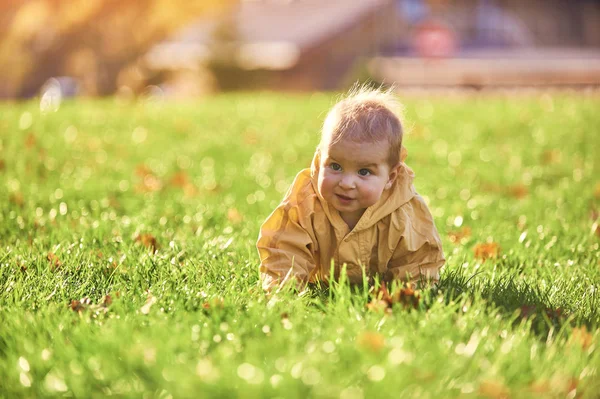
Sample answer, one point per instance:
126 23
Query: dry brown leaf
150 182
76 306
460 236
107 301
142 170
551 156
371 340
30 140
518 191
532 310
489 250
408 297
379 306
493 389
215 303
540 387
17 199
22 266
383 300
554 314
528 310
190 191
55 263
234 216
581 337
179 179
148 241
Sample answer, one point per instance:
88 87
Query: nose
347 181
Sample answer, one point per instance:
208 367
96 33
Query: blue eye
364 172
335 166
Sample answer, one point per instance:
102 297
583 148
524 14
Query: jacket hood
401 192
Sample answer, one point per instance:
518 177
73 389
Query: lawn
128 265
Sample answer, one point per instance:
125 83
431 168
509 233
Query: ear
393 175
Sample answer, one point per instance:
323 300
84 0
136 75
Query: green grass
521 171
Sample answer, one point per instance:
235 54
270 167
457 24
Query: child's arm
284 249
419 254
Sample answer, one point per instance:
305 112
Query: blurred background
190 48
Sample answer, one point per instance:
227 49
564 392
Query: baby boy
356 206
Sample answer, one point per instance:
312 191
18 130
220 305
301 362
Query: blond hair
366 115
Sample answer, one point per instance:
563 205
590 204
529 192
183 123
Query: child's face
352 176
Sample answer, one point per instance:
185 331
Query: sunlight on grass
128 266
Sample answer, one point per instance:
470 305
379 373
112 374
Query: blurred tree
93 40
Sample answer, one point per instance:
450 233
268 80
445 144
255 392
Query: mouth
343 198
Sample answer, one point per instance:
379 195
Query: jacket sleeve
418 253
284 247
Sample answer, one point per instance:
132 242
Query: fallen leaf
22 266
485 251
76 306
563 383
551 156
384 294
518 191
460 236
215 303
150 182
142 170
581 337
408 297
107 301
540 387
532 310
554 314
382 300
147 240
55 263
113 202
528 310
190 191
379 306
179 179
493 389
17 199
371 340
234 216
30 140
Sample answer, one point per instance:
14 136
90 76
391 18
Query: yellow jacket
394 238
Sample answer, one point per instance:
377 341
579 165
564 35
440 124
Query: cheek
322 183
326 183
372 192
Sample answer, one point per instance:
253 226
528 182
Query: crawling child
355 206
